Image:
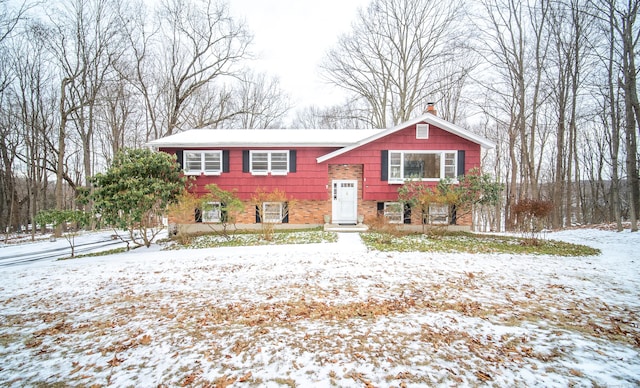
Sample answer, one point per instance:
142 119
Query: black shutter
453 212
198 215
258 215
225 161
245 161
292 160
285 210
380 208
407 213
180 159
224 216
461 163
384 165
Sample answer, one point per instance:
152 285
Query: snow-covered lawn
325 314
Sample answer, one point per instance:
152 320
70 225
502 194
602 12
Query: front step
345 228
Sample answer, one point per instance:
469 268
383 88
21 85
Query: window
265 162
202 162
422 131
394 212
421 165
438 214
272 212
212 212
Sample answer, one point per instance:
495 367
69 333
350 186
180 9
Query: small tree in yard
272 208
473 189
77 219
530 215
135 191
229 205
182 212
420 197
189 207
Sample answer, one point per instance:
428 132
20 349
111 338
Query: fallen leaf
115 361
145 340
224 381
483 376
575 372
245 378
76 369
189 379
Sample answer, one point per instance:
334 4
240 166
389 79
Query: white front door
345 202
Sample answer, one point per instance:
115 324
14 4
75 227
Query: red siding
374 189
310 180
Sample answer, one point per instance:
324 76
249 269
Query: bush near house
136 190
471 190
272 207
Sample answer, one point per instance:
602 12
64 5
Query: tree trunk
61 152
630 102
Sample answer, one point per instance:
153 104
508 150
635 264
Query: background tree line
552 82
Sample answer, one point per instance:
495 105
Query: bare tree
201 43
568 32
250 101
116 119
10 17
139 66
9 209
629 35
34 102
263 103
514 80
213 106
80 35
389 58
344 116
617 49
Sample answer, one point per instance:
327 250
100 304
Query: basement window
394 212
212 212
438 214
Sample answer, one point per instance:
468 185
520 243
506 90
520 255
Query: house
346 176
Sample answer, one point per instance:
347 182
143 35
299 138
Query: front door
345 202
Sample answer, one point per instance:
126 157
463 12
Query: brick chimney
431 109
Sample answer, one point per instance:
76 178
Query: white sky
292 36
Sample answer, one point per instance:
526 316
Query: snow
325 314
264 137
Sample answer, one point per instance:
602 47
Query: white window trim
202 170
204 213
422 131
433 213
442 154
272 220
269 169
394 217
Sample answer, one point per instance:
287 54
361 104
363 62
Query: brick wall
345 171
300 212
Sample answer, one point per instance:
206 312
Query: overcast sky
292 36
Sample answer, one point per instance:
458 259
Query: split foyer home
334 176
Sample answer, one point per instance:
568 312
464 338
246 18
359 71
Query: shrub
530 215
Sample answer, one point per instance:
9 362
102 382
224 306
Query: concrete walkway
351 241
